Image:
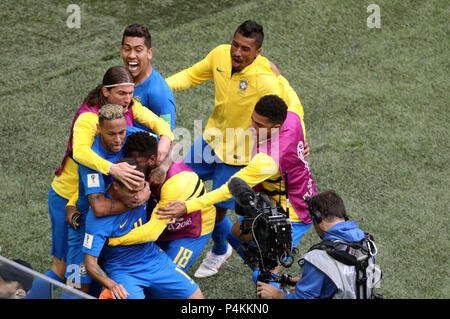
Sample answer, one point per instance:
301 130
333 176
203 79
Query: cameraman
323 276
278 153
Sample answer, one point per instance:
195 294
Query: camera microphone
242 192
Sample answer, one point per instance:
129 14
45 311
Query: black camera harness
351 254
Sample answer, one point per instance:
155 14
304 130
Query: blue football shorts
75 268
57 210
162 279
184 251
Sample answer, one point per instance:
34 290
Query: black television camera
270 228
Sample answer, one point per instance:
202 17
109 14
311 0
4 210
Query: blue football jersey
99 229
155 94
92 181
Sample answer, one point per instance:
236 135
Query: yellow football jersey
261 169
84 131
181 186
235 97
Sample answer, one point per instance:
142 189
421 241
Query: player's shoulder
181 180
221 51
133 129
262 158
263 64
222 47
264 73
88 118
180 185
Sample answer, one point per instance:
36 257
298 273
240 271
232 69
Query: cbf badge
243 84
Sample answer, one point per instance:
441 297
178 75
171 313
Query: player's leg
221 250
201 159
197 295
76 273
57 209
133 283
184 251
298 230
167 281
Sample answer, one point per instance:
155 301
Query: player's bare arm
97 273
103 206
158 174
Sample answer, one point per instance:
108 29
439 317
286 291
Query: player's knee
236 229
59 267
197 295
220 213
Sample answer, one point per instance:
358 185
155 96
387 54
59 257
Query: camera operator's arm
266 291
261 167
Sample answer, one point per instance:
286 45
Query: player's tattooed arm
97 273
103 206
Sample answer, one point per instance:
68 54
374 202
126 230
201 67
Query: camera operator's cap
9 273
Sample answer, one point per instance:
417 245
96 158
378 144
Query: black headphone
314 213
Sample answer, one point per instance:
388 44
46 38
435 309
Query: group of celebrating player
128 217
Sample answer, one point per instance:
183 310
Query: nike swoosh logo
219 70
121 226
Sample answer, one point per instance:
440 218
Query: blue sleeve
313 285
157 96
133 129
93 181
168 112
163 102
98 230
139 127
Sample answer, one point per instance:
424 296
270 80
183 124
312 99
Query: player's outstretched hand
72 216
127 174
307 150
172 210
163 148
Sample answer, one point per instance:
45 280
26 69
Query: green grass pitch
375 100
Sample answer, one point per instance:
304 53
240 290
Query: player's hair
132 162
253 30
137 30
272 107
141 142
114 75
110 112
330 205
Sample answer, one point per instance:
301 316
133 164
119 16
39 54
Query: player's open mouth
236 62
132 66
117 147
